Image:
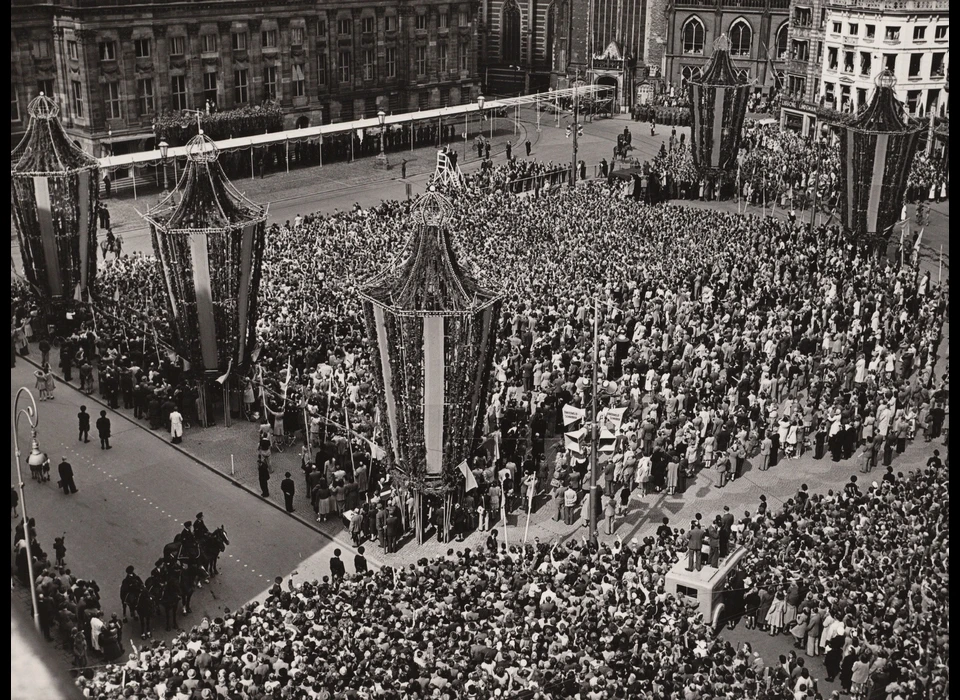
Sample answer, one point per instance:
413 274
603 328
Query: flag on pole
531 490
360 135
916 246
223 377
286 381
116 294
470 480
255 354
77 294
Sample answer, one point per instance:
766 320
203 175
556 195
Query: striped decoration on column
433 393
384 346
876 182
204 296
41 188
243 296
85 228
718 98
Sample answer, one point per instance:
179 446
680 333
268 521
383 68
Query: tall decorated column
433 331
877 147
718 103
209 240
55 191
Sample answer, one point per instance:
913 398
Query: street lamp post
381 161
36 459
164 150
575 129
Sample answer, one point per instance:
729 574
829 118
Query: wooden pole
253 170
232 470
226 403
133 175
593 417
940 266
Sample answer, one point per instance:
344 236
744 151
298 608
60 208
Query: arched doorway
609 80
303 122
510 33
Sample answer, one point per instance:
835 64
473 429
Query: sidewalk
232 452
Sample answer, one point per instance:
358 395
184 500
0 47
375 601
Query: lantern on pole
55 194
877 147
433 331
209 241
718 103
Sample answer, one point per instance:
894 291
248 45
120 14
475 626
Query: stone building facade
113 66
758 32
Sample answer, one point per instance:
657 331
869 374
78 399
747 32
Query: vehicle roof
707 577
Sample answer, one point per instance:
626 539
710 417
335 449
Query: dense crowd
859 577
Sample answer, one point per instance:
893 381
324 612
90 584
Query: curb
375 560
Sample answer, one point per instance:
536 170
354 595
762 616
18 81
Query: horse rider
627 138
130 584
186 535
199 527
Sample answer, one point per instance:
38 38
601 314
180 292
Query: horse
212 546
129 593
145 606
167 593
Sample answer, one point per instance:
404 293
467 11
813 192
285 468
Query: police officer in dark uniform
199 527
131 583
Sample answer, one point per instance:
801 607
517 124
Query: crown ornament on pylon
202 149
432 209
42 107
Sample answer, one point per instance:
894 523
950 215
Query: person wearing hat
83 425
199 527
66 482
337 569
103 429
129 587
287 488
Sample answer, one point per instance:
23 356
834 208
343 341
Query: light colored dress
775 615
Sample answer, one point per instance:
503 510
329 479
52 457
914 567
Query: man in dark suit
287 487
694 545
337 569
103 428
360 561
263 471
66 477
83 424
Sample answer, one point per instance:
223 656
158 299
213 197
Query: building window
296 36
848 61
833 59
423 100
239 41
782 41
344 27
269 38
861 97
819 52
693 36
270 82
837 29
870 30
890 62
145 95
208 43
322 29
240 89
299 83
141 48
389 23
919 33
892 34
367 25
828 93
442 58
510 33
464 17
913 100
391 61
322 69
178 92
369 62
344 66
422 22
845 98
210 87
421 60
796 85
802 16
801 50
14 104
46 87
865 63
111 98
464 56
740 38
936 65
77 99
854 29
72 50
443 21
687 73
941 32
108 51
177 45
915 59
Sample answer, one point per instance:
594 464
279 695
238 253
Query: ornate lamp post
381 161
36 459
481 100
164 150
